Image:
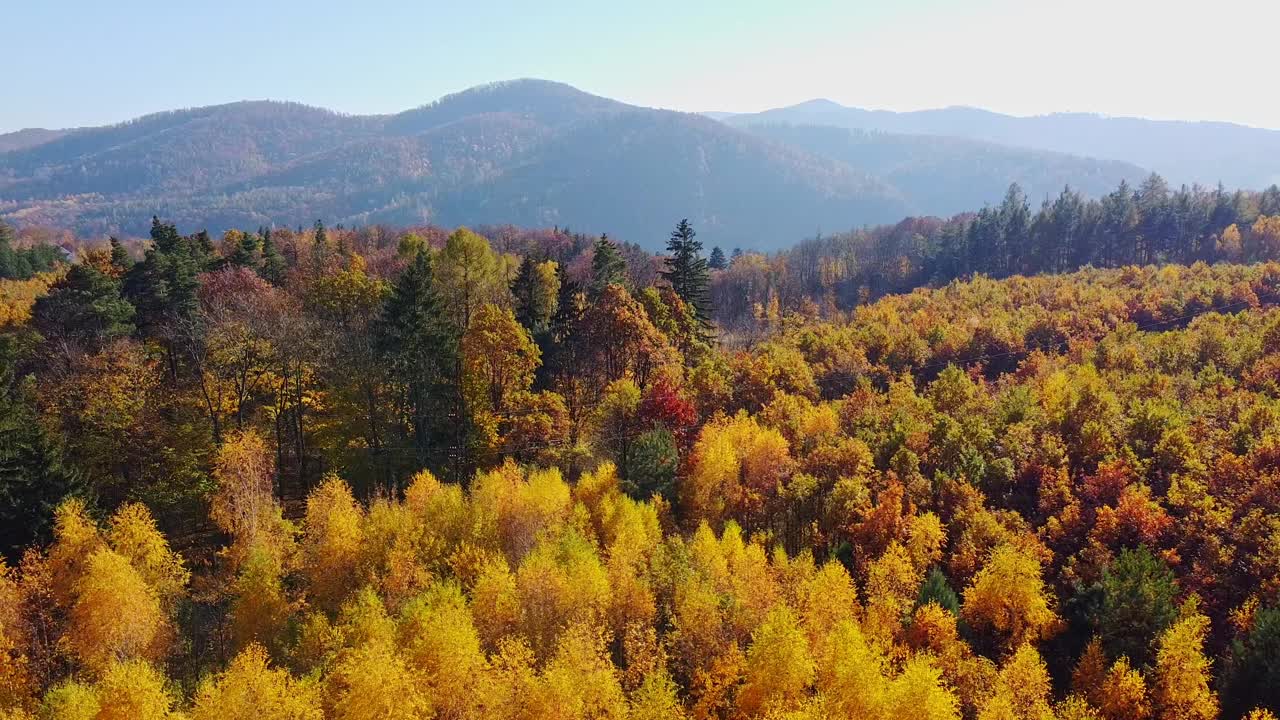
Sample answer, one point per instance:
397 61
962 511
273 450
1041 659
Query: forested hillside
368 473
530 153
1205 153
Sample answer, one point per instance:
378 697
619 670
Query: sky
70 63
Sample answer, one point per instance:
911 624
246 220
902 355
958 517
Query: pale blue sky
83 62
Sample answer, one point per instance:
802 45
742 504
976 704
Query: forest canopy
367 473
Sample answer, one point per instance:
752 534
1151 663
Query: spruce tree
688 272
534 296
607 266
421 352
273 265
120 259
717 260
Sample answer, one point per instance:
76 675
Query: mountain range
538 153
1203 153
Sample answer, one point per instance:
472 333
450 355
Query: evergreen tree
163 286
936 589
245 253
421 352
717 260
1139 595
607 266
83 309
1252 676
534 290
120 259
687 271
33 475
273 265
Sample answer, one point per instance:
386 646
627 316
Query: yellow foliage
580 682
116 614
441 644
892 583
918 693
780 669
1182 680
1090 672
561 582
852 680
133 534
1124 694
332 542
495 602
70 701
76 538
250 689
1008 597
133 690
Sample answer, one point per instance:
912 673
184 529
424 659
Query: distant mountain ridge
526 152
1204 153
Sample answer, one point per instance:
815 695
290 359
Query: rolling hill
1183 152
527 152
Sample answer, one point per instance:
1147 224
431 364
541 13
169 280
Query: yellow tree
1182 679
331 544
244 503
1007 597
116 614
580 682
250 689
441 643
70 700
1023 689
852 680
918 693
16 682
133 534
1124 693
133 690
780 668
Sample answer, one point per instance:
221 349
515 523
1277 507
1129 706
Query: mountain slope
947 175
1184 152
529 152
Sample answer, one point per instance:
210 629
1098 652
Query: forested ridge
527 152
425 473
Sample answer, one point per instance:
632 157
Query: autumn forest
1022 463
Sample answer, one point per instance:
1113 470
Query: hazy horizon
1117 59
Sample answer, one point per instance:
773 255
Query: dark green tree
245 253
163 286
414 337
1252 674
717 260
1138 601
688 272
534 296
33 476
120 259
652 462
936 589
83 310
607 266
273 266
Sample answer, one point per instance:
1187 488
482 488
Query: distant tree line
1148 224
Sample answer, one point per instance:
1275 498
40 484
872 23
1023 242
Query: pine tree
120 256
607 266
688 272
273 264
717 260
936 589
534 291
415 338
